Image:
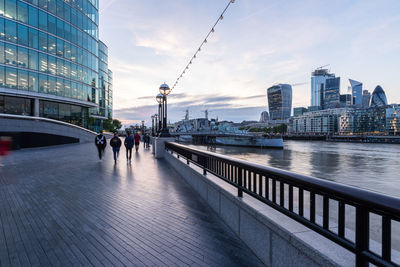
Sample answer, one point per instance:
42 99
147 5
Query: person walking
137 141
101 143
128 145
115 143
5 147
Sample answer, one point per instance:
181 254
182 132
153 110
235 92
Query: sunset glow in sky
257 44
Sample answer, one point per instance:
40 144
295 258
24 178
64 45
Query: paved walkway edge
273 237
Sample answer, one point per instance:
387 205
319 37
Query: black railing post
240 183
204 165
362 235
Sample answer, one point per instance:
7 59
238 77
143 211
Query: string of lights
221 17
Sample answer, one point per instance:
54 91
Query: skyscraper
332 93
49 60
280 101
366 98
318 85
356 92
264 117
378 98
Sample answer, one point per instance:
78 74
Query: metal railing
296 196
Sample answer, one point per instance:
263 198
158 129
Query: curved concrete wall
20 124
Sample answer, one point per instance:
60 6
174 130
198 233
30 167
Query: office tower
332 93
318 85
356 92
378 98
280 101
366 98
49 60
264 117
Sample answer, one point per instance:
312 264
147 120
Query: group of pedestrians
116 143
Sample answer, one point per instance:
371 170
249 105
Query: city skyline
255 46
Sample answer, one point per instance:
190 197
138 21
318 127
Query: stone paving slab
60 206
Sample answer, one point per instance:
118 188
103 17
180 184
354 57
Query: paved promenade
61 206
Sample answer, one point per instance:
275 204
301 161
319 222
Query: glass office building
280 101
356 92
332 93
378 98
318 85
49 60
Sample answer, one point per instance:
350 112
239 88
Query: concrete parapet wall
19 124
275 238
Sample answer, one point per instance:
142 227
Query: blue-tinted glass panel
2 54
22 57
43 87
11 78
43 41
42 20
42 62
11 9
2 76
33 38
11 54
33 60
33 16
22 35
23 80
22 10
33 82
11 31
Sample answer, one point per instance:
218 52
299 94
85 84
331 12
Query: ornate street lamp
152 125
155 124
164 90
159 99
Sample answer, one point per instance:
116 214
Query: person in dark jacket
101 143
115 143
128 145
137 141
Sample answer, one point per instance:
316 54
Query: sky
259 43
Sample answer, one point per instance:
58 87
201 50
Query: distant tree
116 125
112 125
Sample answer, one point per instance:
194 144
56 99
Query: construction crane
320 68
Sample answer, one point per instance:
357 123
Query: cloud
233 108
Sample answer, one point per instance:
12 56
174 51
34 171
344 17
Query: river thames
369 166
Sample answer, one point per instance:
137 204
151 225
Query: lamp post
159 99
164 91
155 124
152 125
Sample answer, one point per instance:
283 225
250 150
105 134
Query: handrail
276 188
11 116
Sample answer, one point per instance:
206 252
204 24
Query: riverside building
280 101
321 122
49 61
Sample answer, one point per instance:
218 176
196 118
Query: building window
11 78
22 57
17 106
11 54
33 82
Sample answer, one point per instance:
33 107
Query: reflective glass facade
332 93
318 85
378 98
280 101
356 92
49 50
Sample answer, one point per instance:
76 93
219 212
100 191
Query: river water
375 167
371 166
